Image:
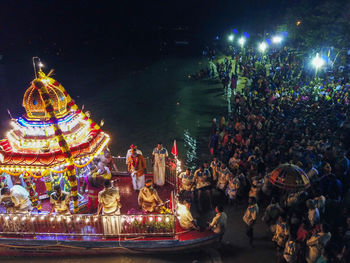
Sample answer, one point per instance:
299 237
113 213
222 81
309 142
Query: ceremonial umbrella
289 177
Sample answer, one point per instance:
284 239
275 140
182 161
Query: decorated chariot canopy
289 177
54 135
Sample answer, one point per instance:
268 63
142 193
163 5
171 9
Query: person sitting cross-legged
185 217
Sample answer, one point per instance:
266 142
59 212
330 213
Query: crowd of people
283 115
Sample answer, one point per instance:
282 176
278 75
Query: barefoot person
137 169
186 186
159 157
250 217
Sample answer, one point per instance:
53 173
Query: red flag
171 201
174 149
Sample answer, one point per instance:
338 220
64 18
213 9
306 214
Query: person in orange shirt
137 169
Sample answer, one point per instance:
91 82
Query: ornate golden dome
35 107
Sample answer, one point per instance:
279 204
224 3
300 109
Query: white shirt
20 197
160 155
109 198
184 216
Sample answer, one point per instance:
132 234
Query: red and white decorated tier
31 145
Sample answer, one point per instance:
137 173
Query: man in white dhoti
137 169
128 153
109 203
159 157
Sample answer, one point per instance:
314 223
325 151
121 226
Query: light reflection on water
190 145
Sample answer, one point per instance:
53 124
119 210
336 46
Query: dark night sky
69 23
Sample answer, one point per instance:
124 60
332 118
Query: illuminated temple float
55 143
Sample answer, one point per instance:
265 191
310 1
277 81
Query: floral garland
71 173
33 196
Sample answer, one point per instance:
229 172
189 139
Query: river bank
158 102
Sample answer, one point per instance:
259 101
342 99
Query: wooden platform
128 195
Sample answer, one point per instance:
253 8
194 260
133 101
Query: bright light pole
262 47
317 62
230 38
277 40
241 41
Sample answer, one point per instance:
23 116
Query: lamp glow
262 46
41 65
318 62
230 38
241 41
277 39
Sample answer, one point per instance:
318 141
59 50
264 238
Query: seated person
185 217
16 199
148 198
219 222
109 200
59 201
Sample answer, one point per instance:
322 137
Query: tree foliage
323 23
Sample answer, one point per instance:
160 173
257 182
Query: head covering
149 182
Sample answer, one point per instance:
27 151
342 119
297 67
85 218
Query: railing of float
87 225
170 169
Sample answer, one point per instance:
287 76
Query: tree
323 23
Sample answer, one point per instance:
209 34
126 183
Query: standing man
159 156
249 218
202 180
128 153
109 203
137 169
223 177
94 184
187 185
59 201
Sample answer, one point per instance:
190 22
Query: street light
241 41
262 47
276 39
317 62
230 38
